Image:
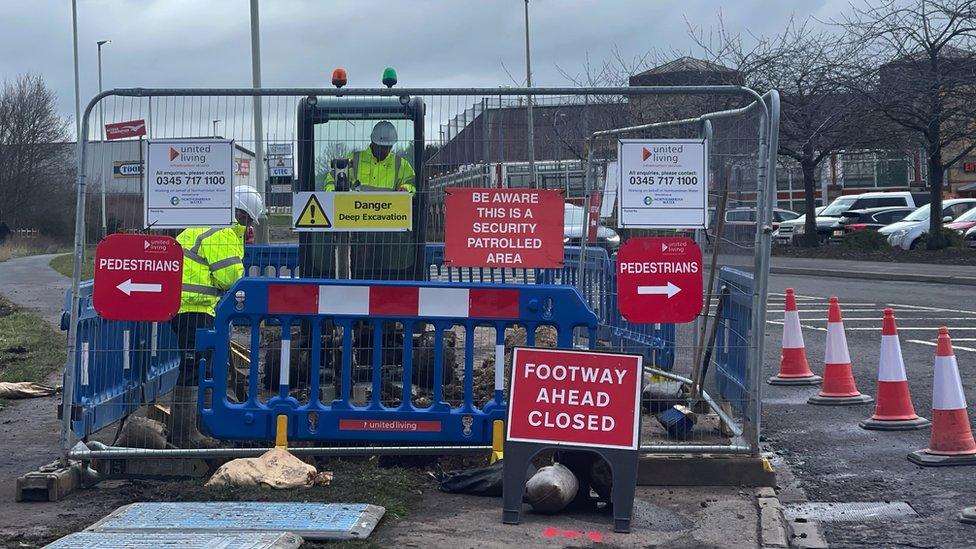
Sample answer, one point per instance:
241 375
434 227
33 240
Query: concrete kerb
772 523
865 275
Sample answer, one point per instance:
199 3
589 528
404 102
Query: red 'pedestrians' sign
659 280
138 277
577 398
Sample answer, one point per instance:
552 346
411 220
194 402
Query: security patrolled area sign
189 183
663 184
323 211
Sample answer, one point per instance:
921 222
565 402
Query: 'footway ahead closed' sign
663 183
659 280
138 277
577 398
518 228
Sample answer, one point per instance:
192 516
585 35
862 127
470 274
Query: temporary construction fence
371 338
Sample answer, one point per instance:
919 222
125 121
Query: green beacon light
389 77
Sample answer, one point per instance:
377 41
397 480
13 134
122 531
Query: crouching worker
212 262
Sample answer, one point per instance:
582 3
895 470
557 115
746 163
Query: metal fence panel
452 137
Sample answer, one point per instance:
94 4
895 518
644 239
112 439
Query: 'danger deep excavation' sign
518 228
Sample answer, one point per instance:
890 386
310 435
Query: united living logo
189 155
674 248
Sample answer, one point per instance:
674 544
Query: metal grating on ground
854 511
311 521
177 540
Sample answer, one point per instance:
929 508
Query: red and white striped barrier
838 388
396 301
793 366
893 410
952 438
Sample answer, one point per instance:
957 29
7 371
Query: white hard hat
247 198
384 134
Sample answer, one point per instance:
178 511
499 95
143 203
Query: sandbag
551 489
276 468
25 389
483 481
142 432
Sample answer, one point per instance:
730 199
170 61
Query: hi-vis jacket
393 172
212 262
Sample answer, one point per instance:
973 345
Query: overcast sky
205 43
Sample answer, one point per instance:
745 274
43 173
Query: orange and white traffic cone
893 410
793 366
952 439
838 388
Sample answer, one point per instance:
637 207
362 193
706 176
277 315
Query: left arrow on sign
670 290
128 286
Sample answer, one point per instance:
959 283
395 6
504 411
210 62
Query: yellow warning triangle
313 215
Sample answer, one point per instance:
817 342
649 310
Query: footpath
671 516
874 270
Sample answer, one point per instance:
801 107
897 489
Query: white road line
877 329
932 309
933 344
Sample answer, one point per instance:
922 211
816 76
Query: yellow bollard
497 440
281 433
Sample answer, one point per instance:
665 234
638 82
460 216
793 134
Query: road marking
933 344
933 309
876 329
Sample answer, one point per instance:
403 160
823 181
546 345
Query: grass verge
23 247
30 349
63 265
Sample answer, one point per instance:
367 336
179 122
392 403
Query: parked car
792 231
970 238
740 223
870 219
573 230
906 234
964 222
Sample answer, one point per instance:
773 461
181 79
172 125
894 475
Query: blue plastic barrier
732 342
528 306
119 366
655 341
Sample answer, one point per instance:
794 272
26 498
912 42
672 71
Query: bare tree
819 115
917 67
35 170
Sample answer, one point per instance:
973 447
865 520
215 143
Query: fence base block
623 464
152 468
54 481
703 470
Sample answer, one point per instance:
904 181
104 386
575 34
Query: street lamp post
528 101
101 131
261 235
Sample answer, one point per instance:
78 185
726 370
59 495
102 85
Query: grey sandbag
658 396
551 489
483 481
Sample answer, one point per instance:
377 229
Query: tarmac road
833 459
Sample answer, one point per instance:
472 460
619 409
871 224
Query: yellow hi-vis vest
393 172
212 262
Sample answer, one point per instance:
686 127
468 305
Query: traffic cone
952 439
893 410
793 366
838 388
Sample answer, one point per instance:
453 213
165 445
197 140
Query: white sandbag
276 468
25 389
551 489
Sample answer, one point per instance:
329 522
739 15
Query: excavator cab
329 129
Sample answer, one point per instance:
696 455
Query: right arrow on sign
670 290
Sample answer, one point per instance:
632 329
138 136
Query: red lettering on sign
659 280
517 228
138 277
575 398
